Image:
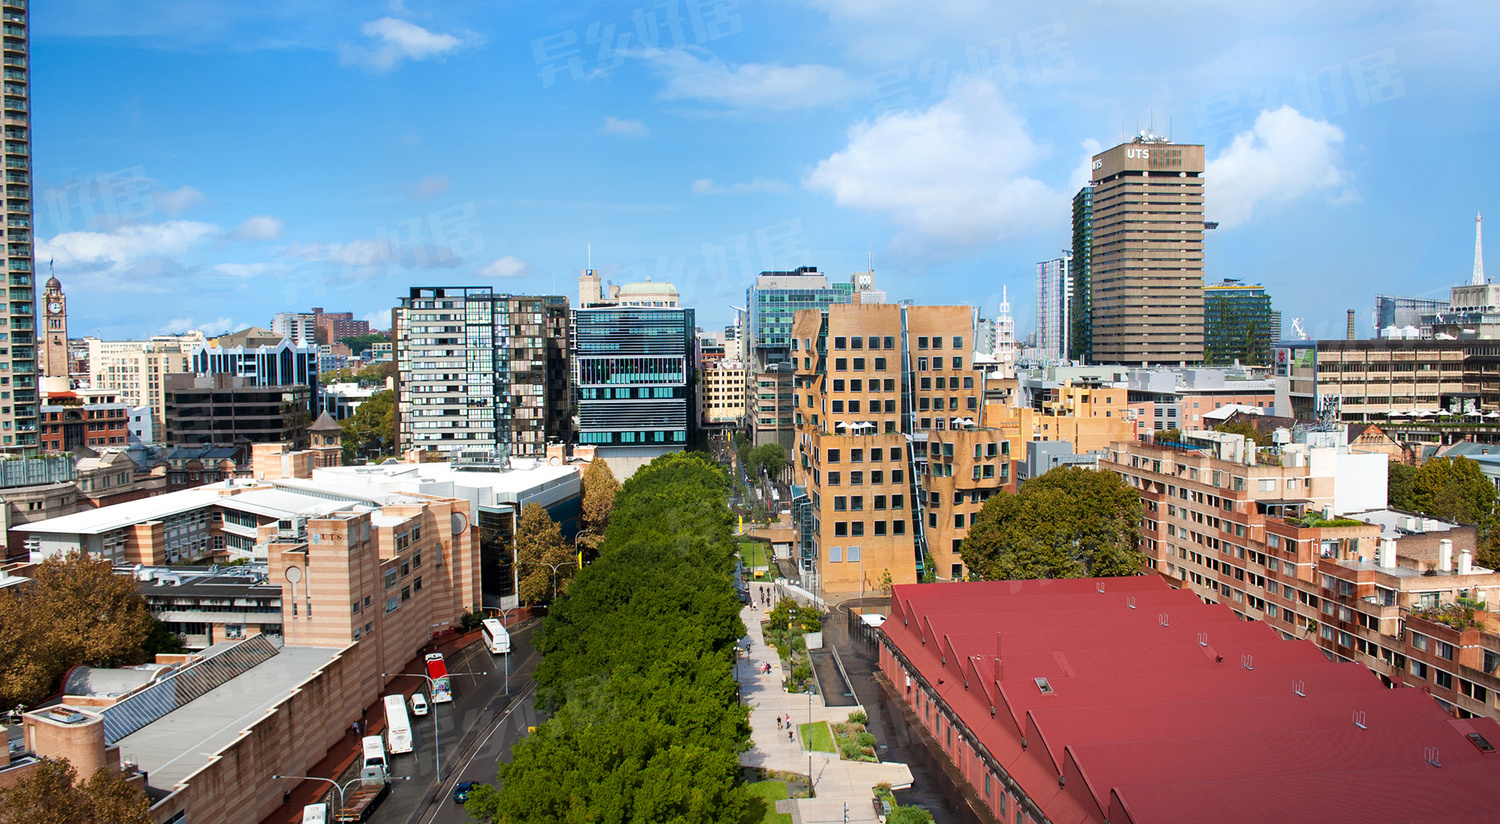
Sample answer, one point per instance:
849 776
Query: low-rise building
220 410
723 393
1124 700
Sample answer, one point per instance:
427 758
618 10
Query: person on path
789 733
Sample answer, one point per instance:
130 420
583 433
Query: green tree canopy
638 669
1453 489
599 490
1069 523
769 458
542 555
371 430
52 794
359 343
75 610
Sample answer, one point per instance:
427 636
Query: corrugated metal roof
1176 711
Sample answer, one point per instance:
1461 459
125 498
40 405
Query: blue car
461 792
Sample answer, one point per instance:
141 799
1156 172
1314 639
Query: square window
856 455
833 456
833 479
888 343
856 478
876 453
838 407
877 476
840 503
890 384
856 343
841 528
958 342
922 343
856 386
898 527
835 554
880 364
874 342
840 343
838 384
841 364
853 406
879 502
857 503
880 527
857 529
859 364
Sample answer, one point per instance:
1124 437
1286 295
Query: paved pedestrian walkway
835 781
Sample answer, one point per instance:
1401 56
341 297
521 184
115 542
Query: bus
374 752
442 690
397 725
495 636
315 814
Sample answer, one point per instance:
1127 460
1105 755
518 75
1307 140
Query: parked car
461 792
418 704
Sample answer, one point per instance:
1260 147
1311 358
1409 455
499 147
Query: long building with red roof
1126 701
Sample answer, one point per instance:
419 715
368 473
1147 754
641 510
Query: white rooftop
525 478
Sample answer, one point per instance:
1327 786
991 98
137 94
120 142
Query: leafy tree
162 641
885 583
599 490
907 814
75 610
543 556
359 343
1488 554
768 458
1244 428
1173 435
52 794
742 450
1453 489
372 427
637 669
1398 488
1069 523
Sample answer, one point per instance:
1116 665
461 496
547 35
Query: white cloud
428 188
1084 171
395 41
246 271
258 227
751 85
506 267
125 246
1285 156
705 186
177 201
378 320
954 173
624 128
177 326
360 253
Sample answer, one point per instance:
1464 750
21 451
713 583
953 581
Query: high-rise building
1146 258
1054 299
1238 323
135 369
892 458
1080 309
55 361
772 303
18 387
260 358
634 376
300 327
479 370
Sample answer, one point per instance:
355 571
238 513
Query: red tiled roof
1163 709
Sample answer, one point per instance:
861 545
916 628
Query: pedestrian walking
789 738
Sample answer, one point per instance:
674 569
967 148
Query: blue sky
206 164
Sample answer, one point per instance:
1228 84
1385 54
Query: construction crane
1297 331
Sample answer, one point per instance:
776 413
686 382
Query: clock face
54 307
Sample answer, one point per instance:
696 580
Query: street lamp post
808 740
554 568
336 786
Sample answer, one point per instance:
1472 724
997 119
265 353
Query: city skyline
426 145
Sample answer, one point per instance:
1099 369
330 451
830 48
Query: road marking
444 792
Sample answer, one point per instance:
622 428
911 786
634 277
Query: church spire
1478 279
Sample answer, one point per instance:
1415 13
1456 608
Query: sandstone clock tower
55 329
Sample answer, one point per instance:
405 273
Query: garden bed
854 741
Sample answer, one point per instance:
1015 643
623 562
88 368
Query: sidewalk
835 781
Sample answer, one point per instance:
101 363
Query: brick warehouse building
1126 701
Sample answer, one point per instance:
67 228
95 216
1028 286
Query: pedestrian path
835 781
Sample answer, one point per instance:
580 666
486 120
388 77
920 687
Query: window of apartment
890 385
390 577
958 363
856 343
921 364
1418 640
937 342
922 343
879 366
833 479
896 475
853 406
877 476
898 527
856 386
841 529
838 407
857 529
857 503
856 478
887 343
416 561
405 568
879 502
391 603
1444 650
841 364
876 453
406 593
833 456
1442 679
840 343
838 384
926 384
416 584
895 453
840 503
880 527
859 364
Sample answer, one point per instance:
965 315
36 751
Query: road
488 724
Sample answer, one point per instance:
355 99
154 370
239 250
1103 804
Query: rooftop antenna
590 247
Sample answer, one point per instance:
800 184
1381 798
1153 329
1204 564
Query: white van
375 763
418 704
